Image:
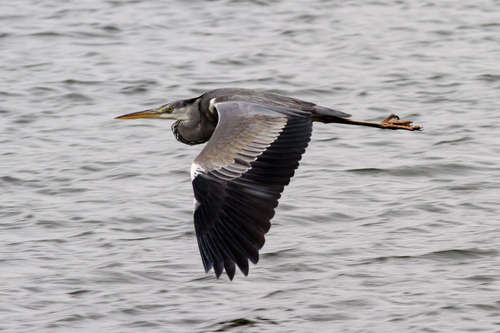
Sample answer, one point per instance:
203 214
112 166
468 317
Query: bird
254 142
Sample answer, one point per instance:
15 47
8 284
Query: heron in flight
255 140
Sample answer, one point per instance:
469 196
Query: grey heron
255 141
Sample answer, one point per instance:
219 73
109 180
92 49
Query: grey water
379 231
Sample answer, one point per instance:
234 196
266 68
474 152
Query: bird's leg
391 122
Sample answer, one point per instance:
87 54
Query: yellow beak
152 113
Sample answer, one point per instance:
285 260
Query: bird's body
255 141
200 130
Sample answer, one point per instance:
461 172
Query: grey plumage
207 120
255 142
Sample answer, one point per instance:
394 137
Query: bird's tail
327 115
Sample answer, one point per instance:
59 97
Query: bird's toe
393 122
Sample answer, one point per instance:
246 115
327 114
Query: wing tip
230 270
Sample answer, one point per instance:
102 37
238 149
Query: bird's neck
197 129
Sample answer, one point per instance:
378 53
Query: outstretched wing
238 178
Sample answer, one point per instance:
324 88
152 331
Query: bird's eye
170 109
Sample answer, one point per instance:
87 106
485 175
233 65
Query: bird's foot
393 122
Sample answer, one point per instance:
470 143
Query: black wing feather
233 215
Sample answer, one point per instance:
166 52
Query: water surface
378 231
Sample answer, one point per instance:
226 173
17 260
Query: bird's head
178 110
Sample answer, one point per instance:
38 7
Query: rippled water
379 231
